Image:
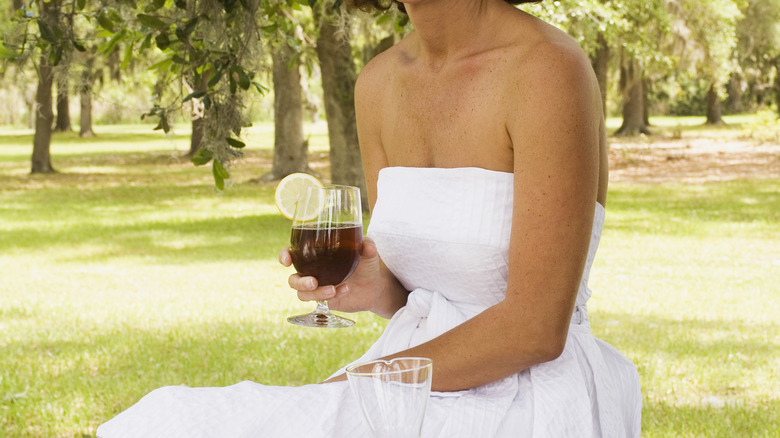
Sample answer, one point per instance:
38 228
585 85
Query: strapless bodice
447 230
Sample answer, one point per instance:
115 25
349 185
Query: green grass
128 271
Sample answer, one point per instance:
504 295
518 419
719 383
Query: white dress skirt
445 234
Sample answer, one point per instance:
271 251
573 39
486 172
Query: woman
484 149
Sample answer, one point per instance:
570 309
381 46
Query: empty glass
393 395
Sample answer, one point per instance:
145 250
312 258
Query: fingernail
310 283
330 292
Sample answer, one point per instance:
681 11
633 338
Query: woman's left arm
554 127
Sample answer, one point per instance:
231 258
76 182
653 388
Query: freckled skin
481 84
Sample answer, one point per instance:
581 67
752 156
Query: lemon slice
290 188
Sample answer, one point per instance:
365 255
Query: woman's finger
284 257
302 283
368 249
319 294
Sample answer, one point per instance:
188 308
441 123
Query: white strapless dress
445 234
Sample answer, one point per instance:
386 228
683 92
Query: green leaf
156 4
181 4
80 4
105 21
7 53
260 88
162 65
202 157
270 28
240 77
78 46
162 40
128 56
46 32
190 26
151 21
163 124
109 46
215 78
384 18
194 95
238 144
146 43
220 174
55 55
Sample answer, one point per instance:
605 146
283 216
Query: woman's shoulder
541 50
375 75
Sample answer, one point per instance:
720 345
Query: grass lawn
128 271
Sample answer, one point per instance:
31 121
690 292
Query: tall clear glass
393 395
327 235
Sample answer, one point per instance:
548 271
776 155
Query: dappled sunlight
128 270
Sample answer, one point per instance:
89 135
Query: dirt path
660 158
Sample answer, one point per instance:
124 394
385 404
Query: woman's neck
448 29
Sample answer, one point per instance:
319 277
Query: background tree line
210 61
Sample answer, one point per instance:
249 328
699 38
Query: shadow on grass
677 207
699 361
193 240
110 369
67 387
72 138
703 340
664 420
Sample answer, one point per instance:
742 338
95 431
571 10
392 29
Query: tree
711 27
62 123
632 86
211 42
631 28
758 46
86 86
290 147
44 31
44 116
338 83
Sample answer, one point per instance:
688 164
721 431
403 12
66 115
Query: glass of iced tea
327 235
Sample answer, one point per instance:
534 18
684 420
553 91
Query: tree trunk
44 117
114 64
85 99
632 87
338 83
198 123
735 94
777 84
291 149
600 64
369 52
714 113
645 103
62 123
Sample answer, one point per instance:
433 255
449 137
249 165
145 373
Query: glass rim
334 187
424 363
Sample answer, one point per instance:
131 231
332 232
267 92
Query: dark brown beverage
327 254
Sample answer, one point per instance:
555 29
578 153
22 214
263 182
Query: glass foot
324 320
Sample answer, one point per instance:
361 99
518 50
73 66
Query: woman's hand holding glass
360 292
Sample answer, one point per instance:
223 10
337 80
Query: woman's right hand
363 290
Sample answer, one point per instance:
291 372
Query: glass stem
322 308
